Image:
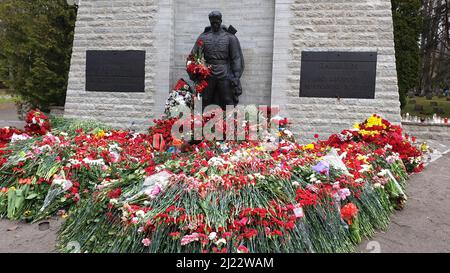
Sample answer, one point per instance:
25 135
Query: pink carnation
146 242
189 238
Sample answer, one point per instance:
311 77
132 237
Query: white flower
382 173
312 178
113 201
212 236
365 168
74 161
220 242
259 176
140 213
216 162
288 133
46 147
296 184
98 162
16 137
63 183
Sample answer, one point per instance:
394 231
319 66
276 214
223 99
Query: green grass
5 97
428 109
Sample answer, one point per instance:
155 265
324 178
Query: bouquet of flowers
180 96
198 70
37 123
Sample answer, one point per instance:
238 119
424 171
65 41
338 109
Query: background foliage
407 28
36 40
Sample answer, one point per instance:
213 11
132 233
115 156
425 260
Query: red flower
201 86
113 194
200 43
180 85
348 212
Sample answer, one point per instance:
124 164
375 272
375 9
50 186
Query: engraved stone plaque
115 70
338 75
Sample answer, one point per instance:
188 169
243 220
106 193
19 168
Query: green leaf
11 203
31 196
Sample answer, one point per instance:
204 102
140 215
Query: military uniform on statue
223 54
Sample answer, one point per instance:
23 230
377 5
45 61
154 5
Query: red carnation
201 86
114 194
180 85
348 212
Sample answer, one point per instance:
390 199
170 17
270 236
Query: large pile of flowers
126 192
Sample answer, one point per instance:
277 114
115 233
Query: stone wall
332 25
426 131
113 25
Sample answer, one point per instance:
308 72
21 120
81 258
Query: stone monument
326 63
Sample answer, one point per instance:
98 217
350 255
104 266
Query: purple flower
322 167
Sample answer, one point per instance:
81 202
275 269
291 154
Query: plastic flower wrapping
127 192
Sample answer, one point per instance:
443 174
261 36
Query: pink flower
189 238
344 193
243 221
242 249
146 242
156 190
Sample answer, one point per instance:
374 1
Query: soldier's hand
235 82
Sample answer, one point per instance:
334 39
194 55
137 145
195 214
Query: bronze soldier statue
223 53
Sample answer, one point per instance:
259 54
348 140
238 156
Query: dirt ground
16 237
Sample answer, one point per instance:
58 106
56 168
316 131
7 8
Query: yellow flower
368 133
424 147
356 126
375 121
260 149
309 147
12 188
362 158
100 134
27 213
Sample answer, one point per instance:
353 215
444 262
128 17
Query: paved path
8 116
424 224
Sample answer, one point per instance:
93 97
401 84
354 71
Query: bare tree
435 45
